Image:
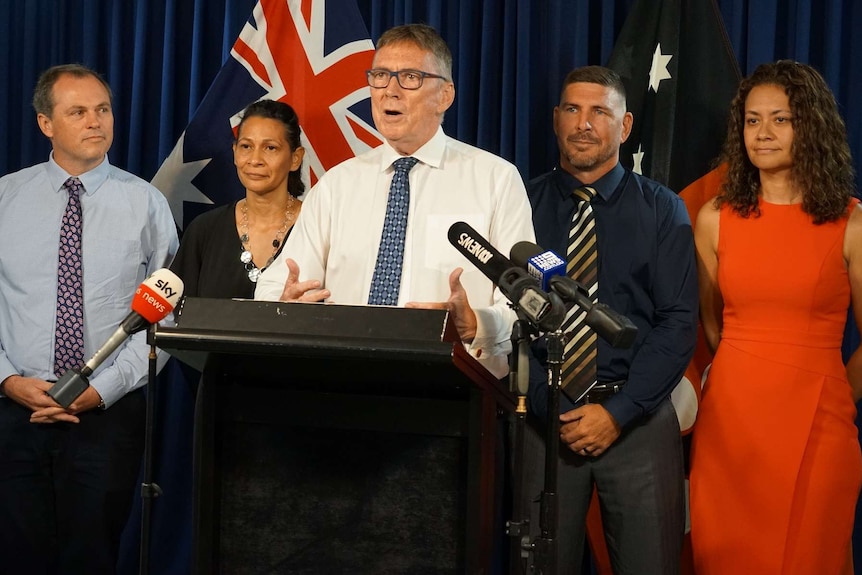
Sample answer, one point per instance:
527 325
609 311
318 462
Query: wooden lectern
332 438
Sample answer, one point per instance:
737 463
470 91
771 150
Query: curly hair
275 110
822 164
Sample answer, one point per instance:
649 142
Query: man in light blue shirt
67 475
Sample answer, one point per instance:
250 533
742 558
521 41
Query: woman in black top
224 250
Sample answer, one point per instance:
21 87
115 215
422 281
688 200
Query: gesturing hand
295 290
458 305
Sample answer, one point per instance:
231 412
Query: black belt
601 391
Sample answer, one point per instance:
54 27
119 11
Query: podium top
312 329
354 348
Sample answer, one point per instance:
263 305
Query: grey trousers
640 482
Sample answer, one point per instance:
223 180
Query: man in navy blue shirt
624 437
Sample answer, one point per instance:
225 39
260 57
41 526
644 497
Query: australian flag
311 54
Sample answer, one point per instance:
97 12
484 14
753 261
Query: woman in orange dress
776 465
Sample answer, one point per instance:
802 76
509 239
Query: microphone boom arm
611 326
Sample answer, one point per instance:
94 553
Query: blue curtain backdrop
510 57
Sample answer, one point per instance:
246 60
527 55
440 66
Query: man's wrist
3 384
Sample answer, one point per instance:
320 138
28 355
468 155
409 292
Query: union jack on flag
311 54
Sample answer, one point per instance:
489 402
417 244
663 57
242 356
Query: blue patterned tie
69 333
386 282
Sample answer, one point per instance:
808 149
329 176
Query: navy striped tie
579 357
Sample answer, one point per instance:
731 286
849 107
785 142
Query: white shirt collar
431 153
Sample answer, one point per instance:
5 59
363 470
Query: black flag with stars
680 74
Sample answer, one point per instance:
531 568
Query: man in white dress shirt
333 249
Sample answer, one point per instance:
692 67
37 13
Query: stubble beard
584 162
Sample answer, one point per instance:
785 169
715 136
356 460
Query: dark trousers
640 484
66 489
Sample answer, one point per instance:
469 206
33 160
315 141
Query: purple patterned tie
69 335
386 282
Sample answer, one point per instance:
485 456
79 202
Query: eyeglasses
407 79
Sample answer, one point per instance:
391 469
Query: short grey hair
426 38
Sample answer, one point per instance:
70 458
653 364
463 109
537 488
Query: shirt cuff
109 394
486 349
6 370
623 409
487 336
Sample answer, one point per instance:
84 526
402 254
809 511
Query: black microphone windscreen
479 251
521 253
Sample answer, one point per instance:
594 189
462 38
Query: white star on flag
174 179
658 71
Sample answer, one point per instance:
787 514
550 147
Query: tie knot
73 184
404 164
585 193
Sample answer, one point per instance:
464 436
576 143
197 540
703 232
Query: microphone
154 299
514 282
541 265
613 327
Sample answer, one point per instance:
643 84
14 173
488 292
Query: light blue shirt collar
91 180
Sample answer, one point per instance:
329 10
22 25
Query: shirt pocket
438 252
113 268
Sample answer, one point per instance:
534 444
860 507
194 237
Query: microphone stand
149 489
518 527
544 549
545 545
611 326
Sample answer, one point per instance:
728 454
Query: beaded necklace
245 257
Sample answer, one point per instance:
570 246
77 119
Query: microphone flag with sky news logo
157 296
680 74
311 55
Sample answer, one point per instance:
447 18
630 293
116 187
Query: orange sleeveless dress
775 463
